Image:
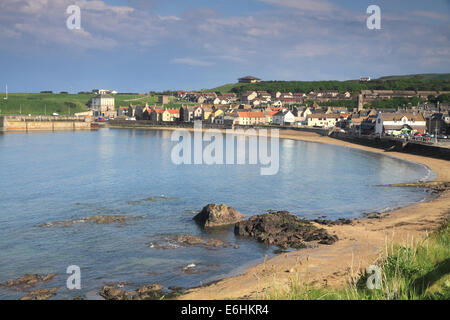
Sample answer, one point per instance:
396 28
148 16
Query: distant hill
435 82
423 76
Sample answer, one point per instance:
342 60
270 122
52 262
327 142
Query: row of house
237 115
257 98
413 120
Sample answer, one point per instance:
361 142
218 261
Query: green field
63 104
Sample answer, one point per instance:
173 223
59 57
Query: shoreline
359 245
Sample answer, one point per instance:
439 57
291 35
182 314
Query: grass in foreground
420 271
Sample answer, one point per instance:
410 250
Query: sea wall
27 124
388 144
158 124
205 125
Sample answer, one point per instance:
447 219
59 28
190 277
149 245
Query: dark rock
340 221
105 219
29 280
146 292
283 230
372 215
41 294
216 243
186 240
176 289
213 215
113 293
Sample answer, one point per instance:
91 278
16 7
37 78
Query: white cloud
192 62
292 31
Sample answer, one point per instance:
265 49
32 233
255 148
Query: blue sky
138 46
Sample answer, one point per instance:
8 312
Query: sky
155 45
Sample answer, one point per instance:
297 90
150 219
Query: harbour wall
40 123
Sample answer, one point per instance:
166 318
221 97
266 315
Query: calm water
48 177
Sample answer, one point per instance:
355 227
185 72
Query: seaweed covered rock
283 230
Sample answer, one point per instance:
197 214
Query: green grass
63 104
41 103
439 82
420 271
424 76
226 87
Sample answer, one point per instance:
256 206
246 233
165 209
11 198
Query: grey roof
103 96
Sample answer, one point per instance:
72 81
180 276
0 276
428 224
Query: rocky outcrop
338 222
435 186
29 280
41 294
214 215
186 240
283 230
146 292
105 219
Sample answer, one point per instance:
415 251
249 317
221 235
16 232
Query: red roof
251 115
271 112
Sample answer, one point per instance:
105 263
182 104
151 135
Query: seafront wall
39 123
205 125
388 144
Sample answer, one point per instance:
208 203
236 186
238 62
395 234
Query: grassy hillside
64 104
425 76
41 103
226 87
437 82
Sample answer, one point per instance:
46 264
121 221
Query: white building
103 105
251 118
390 122
322 120
283 118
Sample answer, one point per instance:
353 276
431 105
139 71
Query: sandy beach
360 244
